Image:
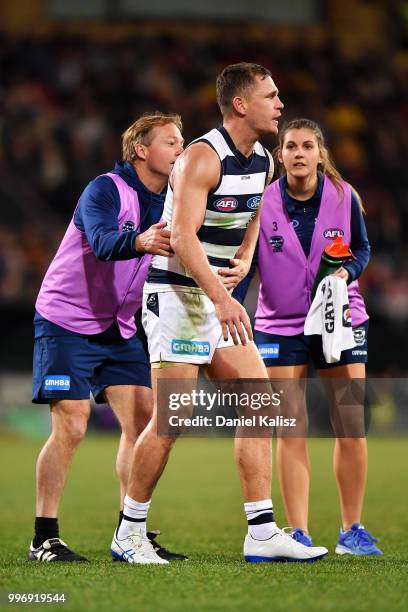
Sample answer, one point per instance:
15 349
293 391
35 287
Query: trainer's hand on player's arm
342 273
155 240
234 319
232 276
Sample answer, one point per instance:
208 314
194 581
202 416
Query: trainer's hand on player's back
155 240
234 319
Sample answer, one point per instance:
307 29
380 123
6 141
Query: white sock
134 517
261 524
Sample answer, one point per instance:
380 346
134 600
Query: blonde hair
327 166
140 132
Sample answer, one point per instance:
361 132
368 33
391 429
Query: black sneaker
53 549
163 552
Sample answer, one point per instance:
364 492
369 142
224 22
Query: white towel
329 316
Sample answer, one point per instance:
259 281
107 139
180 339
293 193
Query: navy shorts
278 350
70 366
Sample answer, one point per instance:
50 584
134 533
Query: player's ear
141 151
279 156
239 105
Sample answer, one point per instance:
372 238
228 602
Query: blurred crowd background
69 88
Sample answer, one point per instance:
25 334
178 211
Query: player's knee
292 442
75 429
352 445
131 432
142 417
133 426
71 425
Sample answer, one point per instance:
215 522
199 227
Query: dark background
74 75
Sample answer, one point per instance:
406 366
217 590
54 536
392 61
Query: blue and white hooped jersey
230 207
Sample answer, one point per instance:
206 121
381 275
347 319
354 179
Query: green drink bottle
333 257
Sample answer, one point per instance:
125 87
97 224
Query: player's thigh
287 359
344 386
295 372
290 381
172 384
70 418
132 405
237 361
347 371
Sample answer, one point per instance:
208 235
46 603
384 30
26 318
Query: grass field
198 507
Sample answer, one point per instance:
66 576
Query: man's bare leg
252 455
151 451
133 407
69 423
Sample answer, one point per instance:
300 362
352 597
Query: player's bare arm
196 172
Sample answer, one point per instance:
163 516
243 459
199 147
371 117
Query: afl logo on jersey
226 204
253 202
333 232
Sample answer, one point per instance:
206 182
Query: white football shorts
181 327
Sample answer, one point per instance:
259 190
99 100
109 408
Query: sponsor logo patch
269 351
329 310
333 232
277 243
190 347
295 223
359 336
128 226
57 382
226 204
253 202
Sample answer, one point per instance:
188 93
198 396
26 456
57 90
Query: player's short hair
141 130
234 80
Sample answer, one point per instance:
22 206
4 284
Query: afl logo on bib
333 232
226 204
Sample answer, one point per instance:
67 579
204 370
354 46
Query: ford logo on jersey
226 204
190 347
333 232
253 202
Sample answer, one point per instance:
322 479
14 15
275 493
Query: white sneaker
135 548
280 547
